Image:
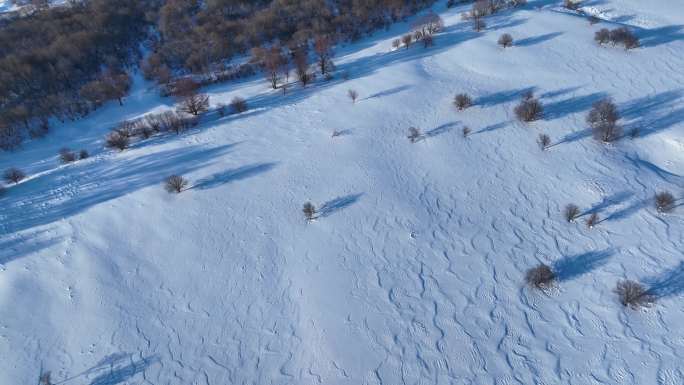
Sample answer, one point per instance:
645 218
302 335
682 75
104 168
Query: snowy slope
413 274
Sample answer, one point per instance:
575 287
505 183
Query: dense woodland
63 62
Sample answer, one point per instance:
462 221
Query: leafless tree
544 141
664 202
571 212
462 101
175 184
603 119
66 155
323 49
309 211
540 277
407 40
466 131
602 36
302 66
529 109
14 175
238 105
633 294
353 95
117 141
593 220
506 40
195 104
396 43
571 4
414 134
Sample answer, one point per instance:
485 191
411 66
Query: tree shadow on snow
232 175
337 204
608 202
444 128
25 244
502 97
388 92
573 266
667 284
529 41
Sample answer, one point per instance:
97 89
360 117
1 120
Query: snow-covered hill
413 274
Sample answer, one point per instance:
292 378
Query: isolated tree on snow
633 294
462 101
571 212
175 184
540 277
353 95
309 211
603 119
414 134
664 202
195 104
506 40
14 175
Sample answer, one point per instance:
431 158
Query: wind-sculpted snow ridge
413 271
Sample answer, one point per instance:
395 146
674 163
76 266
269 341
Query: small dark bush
540 277
396 43
602 36
625 37
633 294
238 105
353 95
117 141
414 134
67 156
506 40
462 101
529 109
309 211
544 141
571 212
466 131
13 175
175 184
83 154
407 40
603 119
664 202
571 5
593 220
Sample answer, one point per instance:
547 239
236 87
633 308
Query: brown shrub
117 141
540 277
506 40
603 119
529 109
175 184
414 134
571 212
309 211
633 294
544 141
238 105
462 101
664 202
13 175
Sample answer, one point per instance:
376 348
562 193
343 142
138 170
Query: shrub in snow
67 156
544 141
238 105
540 277
633 294
466 131
13 175
625 37
353 95
83 154
396 43
664 202
407 40
571 5
195 104
602 36
529 109
462 101
414 134
175 184
603 119
117 141
506 40
571 212
309 211
593 220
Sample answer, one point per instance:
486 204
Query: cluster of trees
619 36
484 8
63 62
200 36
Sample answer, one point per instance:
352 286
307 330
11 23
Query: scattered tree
544 141
407 40
323 49
571 212
14 175
466 131
602 36
309 211
506 40
603 119
353 95
593 220
238 105
302 66
67 156
195 104
462 101
664 202
540 277
633 294
175 184
625 37
83 154
529 109
117 141
571 4
396 43
414 134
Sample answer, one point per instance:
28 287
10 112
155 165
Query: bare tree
407 40
633 294
83 154
272 60
544 141
175 184
309 211
323 49
238 105
571 4
195 104
466 131
529 109
353 95
593 220
396 43
602 36
506 40
540 277
14 175
625 37
302 66
664 202
45 379
462 101
66 155
571 212
603 119
414 134
117 141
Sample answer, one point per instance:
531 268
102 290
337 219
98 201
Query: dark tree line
63 62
